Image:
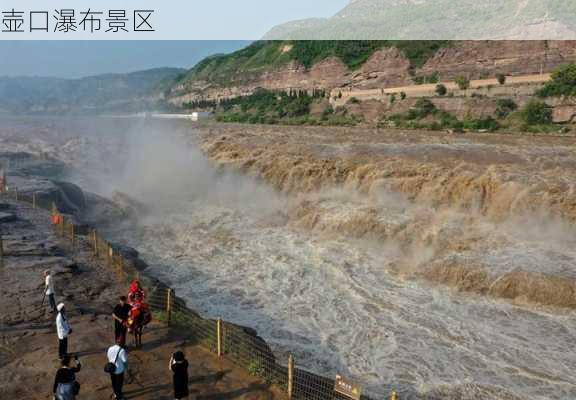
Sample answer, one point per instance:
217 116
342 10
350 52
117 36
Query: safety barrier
235 343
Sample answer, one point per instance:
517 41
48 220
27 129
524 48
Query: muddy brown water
334 276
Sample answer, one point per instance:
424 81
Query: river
224 242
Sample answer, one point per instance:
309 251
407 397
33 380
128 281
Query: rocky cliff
392 64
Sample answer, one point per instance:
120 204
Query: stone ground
28 346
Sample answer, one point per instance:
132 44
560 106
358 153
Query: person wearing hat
49 290
63 330
179 367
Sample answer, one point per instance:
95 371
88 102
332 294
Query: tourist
63 330
65 385
179 367
120 315
49 290
118 356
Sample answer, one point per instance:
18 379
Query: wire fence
235 343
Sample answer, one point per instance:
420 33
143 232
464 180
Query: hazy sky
238 20
73 59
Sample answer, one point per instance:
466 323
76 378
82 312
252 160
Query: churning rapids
225 242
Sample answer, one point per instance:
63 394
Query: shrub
402 96
432 78
504 107
441 90
488 124
501 78
536 112
392 99
563 83
462 82
421 109
354 100
329 110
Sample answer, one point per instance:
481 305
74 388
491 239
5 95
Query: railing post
109 255
219 336
290 376
34 200
169 306
95 243
72 235
121 266
16 194
1 249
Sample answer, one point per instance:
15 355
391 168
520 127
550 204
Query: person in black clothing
65 386
120 315
179 367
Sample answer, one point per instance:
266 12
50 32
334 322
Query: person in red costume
135 293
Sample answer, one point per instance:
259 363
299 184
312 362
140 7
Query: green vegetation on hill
563 83
425 115
269 107
263 55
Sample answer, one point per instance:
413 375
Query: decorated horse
140 314
139 317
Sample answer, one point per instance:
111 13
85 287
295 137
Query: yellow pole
394 396
169 306
95 242
290 376
110 256
219 336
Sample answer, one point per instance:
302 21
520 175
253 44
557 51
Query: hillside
326 65
100 93
439 19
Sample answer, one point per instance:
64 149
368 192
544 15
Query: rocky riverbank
28 352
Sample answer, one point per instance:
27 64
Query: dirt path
28 346
429 89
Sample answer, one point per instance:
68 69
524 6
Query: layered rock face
389 67
511 57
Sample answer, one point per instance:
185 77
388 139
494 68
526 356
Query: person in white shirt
63 330
118 356
49 289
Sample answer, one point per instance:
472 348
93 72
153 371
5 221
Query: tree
501 78
505 107
536 112
441 90
563 82
462 81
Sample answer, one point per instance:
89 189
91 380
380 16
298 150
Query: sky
235 23
75 59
